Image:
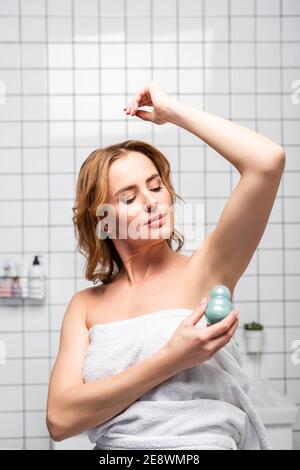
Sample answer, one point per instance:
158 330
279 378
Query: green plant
253 326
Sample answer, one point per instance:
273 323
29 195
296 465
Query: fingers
128 109
222 326
138 100
145 115
134 105
141 98
142 94
219 342
196 315
233 327
147 95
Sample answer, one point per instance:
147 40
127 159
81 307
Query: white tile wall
68 68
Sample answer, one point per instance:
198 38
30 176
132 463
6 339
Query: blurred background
67 69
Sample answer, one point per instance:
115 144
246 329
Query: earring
102 233
106 232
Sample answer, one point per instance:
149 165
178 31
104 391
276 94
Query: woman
130 183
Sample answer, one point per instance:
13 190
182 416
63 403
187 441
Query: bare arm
245 149
228 249
231 245
74 406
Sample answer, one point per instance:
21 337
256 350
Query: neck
143 262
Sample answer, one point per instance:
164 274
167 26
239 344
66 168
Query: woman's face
137 193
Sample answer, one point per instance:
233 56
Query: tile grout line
48 195
22 226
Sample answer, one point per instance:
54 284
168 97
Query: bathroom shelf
16 300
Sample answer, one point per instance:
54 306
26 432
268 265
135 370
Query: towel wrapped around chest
204 407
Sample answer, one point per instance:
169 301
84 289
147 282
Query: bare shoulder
77 308
81 298
86 300
74 339
74 323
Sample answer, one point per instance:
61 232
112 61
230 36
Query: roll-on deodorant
219 304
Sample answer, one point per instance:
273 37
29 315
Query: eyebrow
132 186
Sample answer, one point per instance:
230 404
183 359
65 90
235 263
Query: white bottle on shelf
23 275
36 280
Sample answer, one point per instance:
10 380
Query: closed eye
129 201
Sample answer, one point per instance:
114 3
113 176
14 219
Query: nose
150 203
149 207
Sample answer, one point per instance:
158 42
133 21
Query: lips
155 217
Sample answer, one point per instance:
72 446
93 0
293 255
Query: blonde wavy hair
102 259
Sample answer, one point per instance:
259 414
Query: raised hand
154 95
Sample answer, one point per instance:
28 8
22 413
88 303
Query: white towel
204 407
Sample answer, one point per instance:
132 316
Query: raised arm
260 161
228 249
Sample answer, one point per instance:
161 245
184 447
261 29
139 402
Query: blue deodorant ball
219 304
